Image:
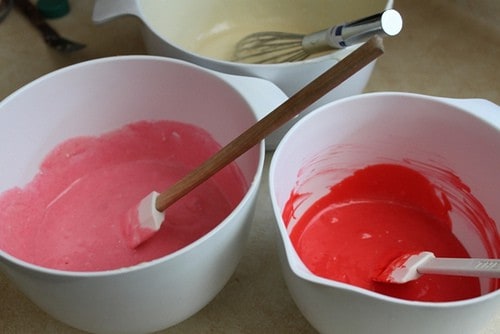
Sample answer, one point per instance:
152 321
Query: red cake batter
372 217
71 215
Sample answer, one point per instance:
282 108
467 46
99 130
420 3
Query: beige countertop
447 48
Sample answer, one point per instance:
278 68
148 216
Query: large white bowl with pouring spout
435 135
96 97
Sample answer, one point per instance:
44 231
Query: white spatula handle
461 267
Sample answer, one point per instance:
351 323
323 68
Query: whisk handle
386 23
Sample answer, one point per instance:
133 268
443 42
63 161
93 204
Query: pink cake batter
71 215
372 217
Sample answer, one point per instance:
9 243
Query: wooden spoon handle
317 88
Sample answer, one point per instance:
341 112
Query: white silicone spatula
151 208
409 267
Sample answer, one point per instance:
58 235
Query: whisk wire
270 47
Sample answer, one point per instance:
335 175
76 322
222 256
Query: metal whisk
278 47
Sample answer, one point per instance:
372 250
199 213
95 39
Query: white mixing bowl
98 96
432 134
